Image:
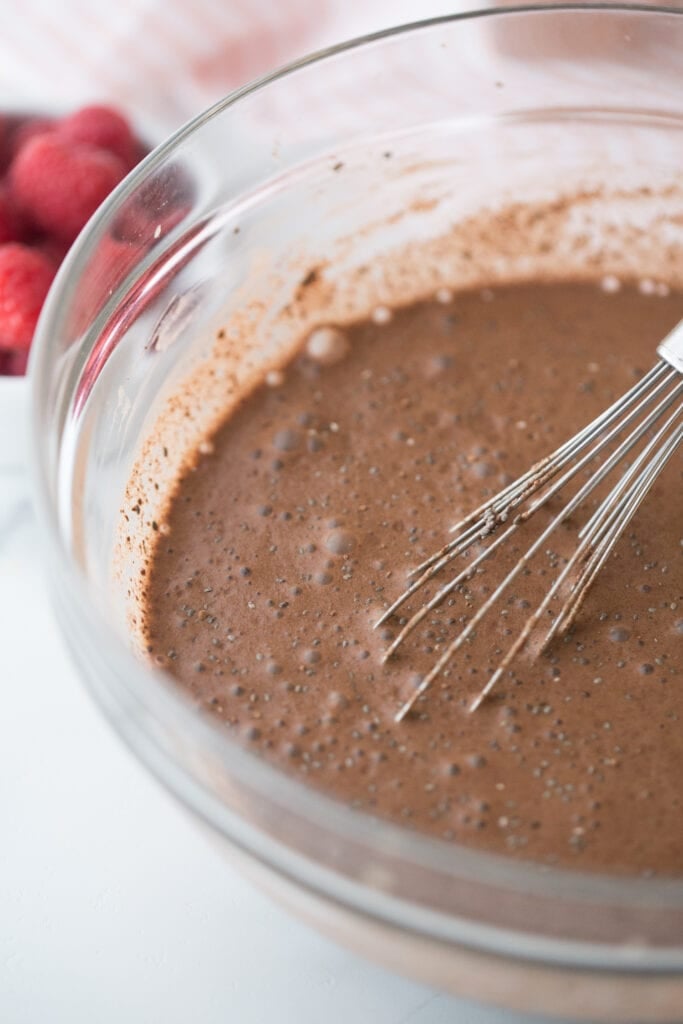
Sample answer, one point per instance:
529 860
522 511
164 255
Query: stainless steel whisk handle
671 349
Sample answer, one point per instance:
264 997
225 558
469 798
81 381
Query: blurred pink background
166 60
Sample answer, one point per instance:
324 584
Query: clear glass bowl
336 165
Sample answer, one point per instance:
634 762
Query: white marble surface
113 906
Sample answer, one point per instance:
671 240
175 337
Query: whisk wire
600 535
467 540
498 509
612 528
516 493
643 405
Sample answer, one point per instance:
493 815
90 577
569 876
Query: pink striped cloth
166 58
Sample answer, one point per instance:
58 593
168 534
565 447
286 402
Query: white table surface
114 907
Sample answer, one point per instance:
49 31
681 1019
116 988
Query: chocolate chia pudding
296 524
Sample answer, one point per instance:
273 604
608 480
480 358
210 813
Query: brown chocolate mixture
343 471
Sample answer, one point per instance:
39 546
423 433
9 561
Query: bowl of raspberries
54 173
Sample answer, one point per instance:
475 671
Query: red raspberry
25 279
60 184
102 127
25 129
54 248
13 364
11 222
4 155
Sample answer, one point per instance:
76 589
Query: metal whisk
654 406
